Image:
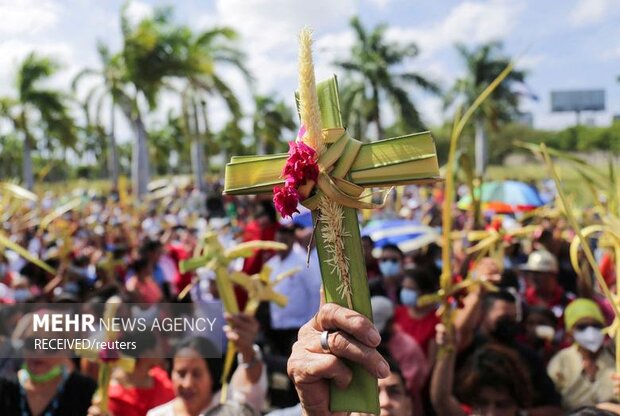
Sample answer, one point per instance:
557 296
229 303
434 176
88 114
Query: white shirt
301 289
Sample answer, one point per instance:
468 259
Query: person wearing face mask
541 333
21 289
418 322
582 373
391 268
47 383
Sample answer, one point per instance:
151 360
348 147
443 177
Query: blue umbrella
407 235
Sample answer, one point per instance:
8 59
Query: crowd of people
531 341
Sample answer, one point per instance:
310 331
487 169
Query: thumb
322 294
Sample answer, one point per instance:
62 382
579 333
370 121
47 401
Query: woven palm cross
260 288
346 168
217 259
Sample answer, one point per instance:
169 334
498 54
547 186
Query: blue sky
563 44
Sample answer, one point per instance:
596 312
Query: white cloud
588 12
271 23
469 22
27 16
335 45
380 4
269 30
137 11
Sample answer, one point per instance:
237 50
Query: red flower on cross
301 168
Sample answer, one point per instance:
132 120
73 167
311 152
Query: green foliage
273 125
502 141
159 54
38 114
484 63
373 78
587 138
230 140
48 106
168 139
10 156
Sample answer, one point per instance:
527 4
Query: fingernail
383 370
374 338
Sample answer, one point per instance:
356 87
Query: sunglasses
390 260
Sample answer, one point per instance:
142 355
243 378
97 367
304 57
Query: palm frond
420 81
86 72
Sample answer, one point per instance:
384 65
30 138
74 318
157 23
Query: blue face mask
389 268
408 297
21 295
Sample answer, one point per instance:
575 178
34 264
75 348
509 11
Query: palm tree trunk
197 151
482 147
113 152
139 157
208 137
139 154
375 98
140 161
27 163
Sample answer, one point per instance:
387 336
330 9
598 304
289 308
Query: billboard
578 100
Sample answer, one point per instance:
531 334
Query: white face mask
590 338
545 332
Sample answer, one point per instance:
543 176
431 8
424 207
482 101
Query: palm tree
484 63
38 113
147 56
155 51
207 53
110 88
373 80
272 119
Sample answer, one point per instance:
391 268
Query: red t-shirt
133 401
421 329
252 232
178 253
